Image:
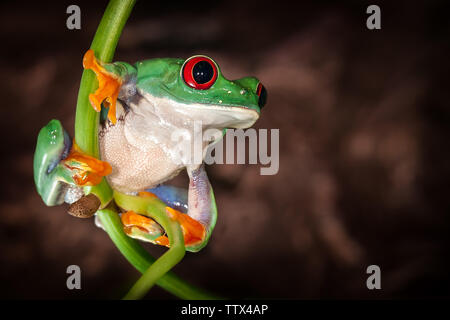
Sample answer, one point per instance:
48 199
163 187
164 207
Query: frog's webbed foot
193 231
144 228
199 202
86 170
141 227
108 85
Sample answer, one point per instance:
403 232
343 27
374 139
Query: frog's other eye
199 72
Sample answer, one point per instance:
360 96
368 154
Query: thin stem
156 209
166 262
86 119
104 45
142 260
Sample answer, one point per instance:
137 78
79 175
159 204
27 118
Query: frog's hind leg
202 204
176 200
144 228
195 209
174 197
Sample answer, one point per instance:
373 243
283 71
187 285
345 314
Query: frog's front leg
111 79
61 169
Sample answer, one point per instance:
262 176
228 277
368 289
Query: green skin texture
49 149
161 78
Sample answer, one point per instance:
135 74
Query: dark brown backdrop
363 119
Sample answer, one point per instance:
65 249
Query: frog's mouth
219 116
210 115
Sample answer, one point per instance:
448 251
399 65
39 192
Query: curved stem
104 45
166 262
86 118
141 259
157 210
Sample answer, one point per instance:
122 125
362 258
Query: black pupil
202 72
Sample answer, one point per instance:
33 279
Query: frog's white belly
158 137
134 168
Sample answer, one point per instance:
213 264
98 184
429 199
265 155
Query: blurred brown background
363 119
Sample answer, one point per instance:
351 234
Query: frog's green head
198 85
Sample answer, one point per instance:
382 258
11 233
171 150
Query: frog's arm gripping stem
61 168
113 80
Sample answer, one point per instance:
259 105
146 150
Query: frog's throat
211 115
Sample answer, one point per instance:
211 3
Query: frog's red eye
199 72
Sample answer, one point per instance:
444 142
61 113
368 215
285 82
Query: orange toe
87 170
162 241
193 230
132 219
108 86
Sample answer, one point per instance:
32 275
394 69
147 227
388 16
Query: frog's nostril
262 94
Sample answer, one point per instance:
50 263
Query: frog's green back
162 78
158 75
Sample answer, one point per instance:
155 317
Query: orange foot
144 228
193 231
136 225
108 86
87 170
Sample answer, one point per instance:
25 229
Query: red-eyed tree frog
142 106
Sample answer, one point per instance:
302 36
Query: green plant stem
104 45
157 210
86 136
161 266
141 259
86 119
